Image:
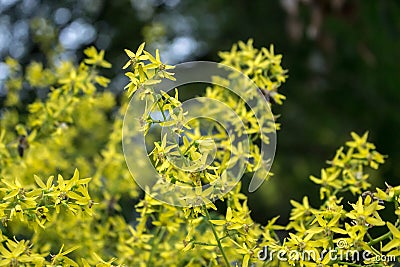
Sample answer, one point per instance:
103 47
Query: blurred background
343 60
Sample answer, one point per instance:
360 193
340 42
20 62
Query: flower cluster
262 66
51 137
87 221
341 227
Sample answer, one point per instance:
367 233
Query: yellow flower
360 142
319 261
230 221
96 58
161 150
17 252
139 80
390 194
160 67
365 212
327 228
101 262
75 81
13 64
45 187
329 178
13 189
61 258
230 57
300 210
355 240
395 242
247 253
300 243
134 58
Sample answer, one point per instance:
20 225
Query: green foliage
61 132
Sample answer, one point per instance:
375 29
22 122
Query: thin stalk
217 238
379 239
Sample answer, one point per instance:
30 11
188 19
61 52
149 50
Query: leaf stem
216 237
379 239
382 237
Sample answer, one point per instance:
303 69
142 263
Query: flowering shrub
63 221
